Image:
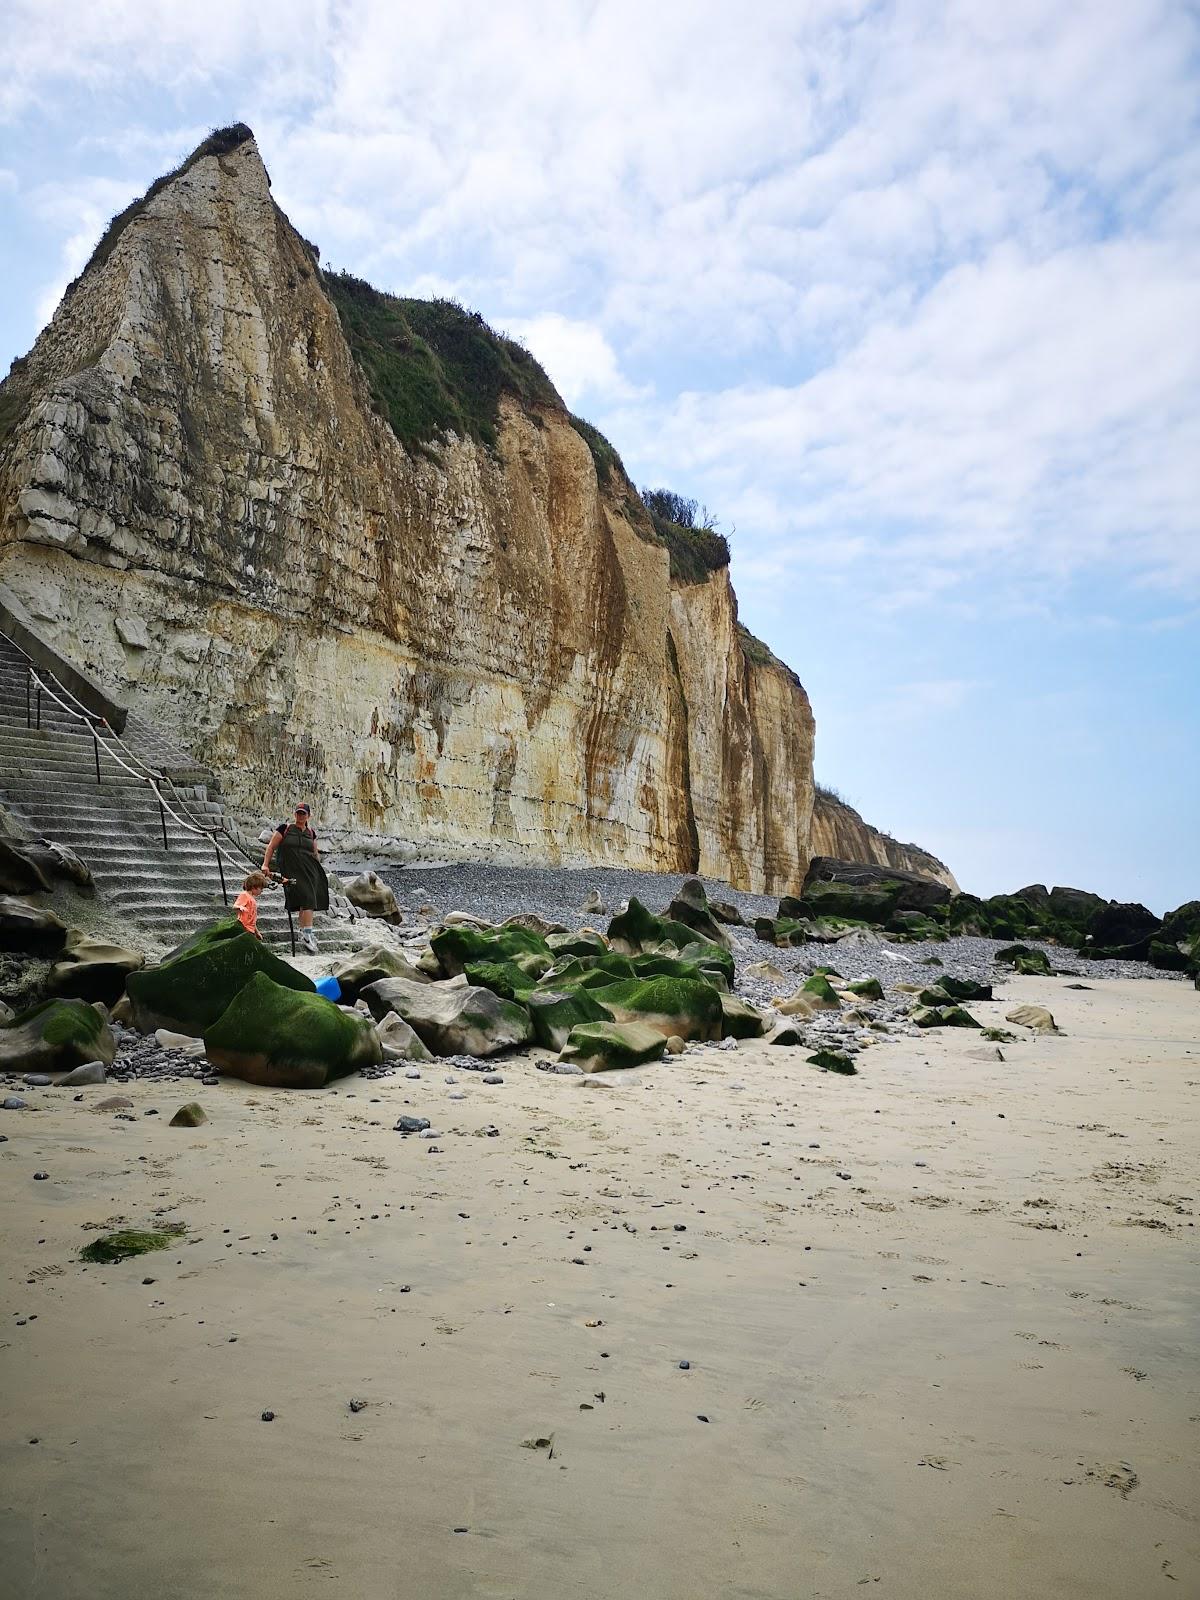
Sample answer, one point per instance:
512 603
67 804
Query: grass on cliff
219 143
433 367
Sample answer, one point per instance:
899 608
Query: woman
306 888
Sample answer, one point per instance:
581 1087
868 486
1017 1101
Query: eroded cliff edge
471 646
839 831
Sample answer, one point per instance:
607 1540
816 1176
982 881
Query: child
246 903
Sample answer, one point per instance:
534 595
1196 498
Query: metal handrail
148 775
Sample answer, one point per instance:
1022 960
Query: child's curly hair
256 880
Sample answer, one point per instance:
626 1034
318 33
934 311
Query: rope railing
148 775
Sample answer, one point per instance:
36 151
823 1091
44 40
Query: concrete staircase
48 781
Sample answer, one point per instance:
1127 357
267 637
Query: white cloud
581 362
913 281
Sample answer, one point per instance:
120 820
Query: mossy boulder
820 992
740 1020
195 985
453 1018
710 958
1025 961
694 913
943 1017
93 969
963 988
833 1061
588 971
605 1046
1169 957
285 1038
368 966
504 978
55 1036
873 903
457 946
913 927
866 988
555 1013
1122 932
674 1006
634 929
677 967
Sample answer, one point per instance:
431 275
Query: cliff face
466 647
838 830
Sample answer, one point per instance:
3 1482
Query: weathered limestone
473 649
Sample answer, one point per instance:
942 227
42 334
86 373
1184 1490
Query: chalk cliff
839 831
469 640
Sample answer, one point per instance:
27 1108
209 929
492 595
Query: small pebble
268 1416
685 1366
492 1077
40 1177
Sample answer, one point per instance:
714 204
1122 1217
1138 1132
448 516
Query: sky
907 294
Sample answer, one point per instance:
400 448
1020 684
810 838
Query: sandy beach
939 1320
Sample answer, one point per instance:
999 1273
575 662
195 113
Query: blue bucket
330 988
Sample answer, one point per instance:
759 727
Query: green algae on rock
55 1036
284 1038
457 945
681 1007
194 985
555 1013
604 1046
942 1017
820 991
112 1247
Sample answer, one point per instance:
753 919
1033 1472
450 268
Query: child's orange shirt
246 906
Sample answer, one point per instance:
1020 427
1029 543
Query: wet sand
940 1318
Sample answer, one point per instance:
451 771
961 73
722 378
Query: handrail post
28 697
96 753
162 817
221 870
39 705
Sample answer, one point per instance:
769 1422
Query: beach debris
112 1247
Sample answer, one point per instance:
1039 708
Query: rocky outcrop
839 831
468 637
456 644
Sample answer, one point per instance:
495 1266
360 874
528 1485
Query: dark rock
1075 906
30 930
833 1061
1122 932
18 873
13 1102
93 969
1029 963
411 1125
914 893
